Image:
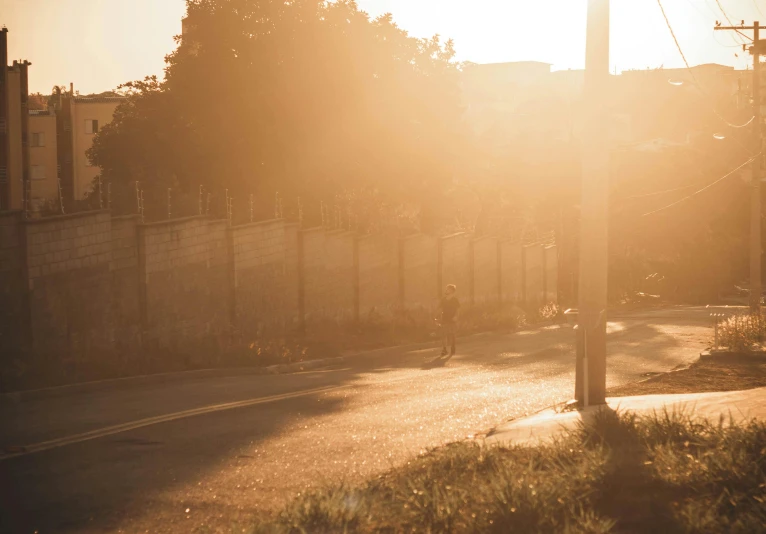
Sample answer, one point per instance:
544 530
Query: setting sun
382 266
129 41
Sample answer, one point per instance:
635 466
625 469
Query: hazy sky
97 44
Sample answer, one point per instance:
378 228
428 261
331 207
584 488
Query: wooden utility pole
590 381
757 50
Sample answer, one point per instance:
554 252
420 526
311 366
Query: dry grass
722 374
664 473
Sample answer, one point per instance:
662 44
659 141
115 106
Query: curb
712 355
161 378
280 369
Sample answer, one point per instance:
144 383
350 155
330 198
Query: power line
748 162
737 44
694 76
757 7
664 191
656 193
726 16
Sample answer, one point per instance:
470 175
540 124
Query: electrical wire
704 17
726 16
735 45
694 76
755 3
731 173
656 193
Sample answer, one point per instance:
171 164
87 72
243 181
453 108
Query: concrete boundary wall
293 278
378 276
328 275
185 279
511 264
90 285
68 260
259 270
534 275
418 267
14 308
126 302
486 271
456 264
551 273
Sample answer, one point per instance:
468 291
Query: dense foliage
305 98
317 101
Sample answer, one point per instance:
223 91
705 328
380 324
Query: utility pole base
590 372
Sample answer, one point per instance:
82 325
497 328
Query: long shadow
628 489
98 484
101 483
439 361
104 482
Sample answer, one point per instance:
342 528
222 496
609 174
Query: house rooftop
98 99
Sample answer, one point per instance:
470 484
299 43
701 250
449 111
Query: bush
740 332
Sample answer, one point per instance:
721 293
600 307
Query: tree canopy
307 98
317 100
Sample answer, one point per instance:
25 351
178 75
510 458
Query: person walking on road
449 307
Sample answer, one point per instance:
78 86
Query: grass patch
620 473
730 373
741 332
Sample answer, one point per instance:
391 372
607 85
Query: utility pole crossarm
735 28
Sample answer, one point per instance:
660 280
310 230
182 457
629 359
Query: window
38 139
91 126
38 172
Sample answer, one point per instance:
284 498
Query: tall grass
740 333
620 473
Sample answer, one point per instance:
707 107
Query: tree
37 101
308 98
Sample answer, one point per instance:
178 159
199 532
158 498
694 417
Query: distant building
14 153
498 81
78 120
508 103
59 139
43 152
43 158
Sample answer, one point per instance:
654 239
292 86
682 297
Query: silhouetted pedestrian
449 307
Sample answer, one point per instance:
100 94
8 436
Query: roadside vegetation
740 333
723 373
328 339
735 363
621 473
232 348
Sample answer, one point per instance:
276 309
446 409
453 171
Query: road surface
211 455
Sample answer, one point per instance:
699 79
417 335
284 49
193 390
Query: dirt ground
720 374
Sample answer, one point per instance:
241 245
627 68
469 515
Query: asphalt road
211 455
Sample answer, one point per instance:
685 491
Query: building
43 159
59 138
78 120
14 153
508 103
43 152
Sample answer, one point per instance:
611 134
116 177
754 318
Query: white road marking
125 427
133 425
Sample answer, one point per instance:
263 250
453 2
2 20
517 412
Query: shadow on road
439 361
97 485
